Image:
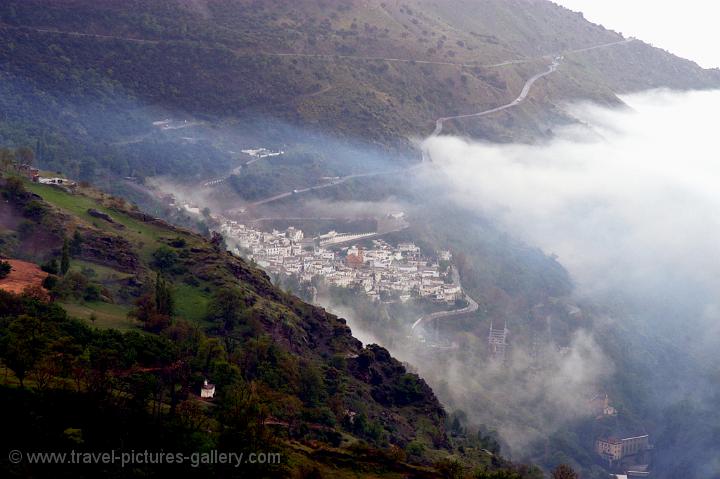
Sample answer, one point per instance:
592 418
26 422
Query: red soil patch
23 275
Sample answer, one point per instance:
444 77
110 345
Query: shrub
178 243
92 293
415 448
50 266
34 211
164 258
50 281
5 269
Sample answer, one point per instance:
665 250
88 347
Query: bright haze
628 201
687 28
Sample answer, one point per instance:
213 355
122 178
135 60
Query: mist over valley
463 239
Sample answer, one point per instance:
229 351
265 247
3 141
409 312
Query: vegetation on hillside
289 376
83 81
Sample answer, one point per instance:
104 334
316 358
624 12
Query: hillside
142 312
372 70
158 103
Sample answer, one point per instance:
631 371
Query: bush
92 293
50 266
76 244
50 281
312 388
321 415
415 448
72 285
89 272
178 243
164 258
34 211
5 269
449 468
408 390
563 471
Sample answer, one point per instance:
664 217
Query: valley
358 221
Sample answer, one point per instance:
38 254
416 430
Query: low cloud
628 199
531 397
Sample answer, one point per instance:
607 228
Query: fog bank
628 200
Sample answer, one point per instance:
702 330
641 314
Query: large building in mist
497 340
614 449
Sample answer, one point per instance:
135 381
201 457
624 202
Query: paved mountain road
470 308
315 188
523 95
439 123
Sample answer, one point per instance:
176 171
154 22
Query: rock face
109 250
104 216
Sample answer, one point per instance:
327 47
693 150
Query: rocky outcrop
109 250
104 216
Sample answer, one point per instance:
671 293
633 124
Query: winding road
523 95
317 187
439 123
96 36
217 181
333 57
320 56
470 308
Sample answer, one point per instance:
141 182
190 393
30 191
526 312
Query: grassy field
102 273
107 315
144 235
190 302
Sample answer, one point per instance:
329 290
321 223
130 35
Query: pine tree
65 261
76 244
163 296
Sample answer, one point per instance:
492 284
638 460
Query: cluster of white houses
382 271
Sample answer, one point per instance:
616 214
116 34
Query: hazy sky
687 28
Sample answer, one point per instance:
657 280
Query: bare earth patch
22 276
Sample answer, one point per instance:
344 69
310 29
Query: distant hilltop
376 70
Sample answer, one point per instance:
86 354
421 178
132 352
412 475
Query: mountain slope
381 71
304 378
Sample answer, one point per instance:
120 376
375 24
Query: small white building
207 391
294 234
408 248
55 181
444 255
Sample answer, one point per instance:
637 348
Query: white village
382 271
